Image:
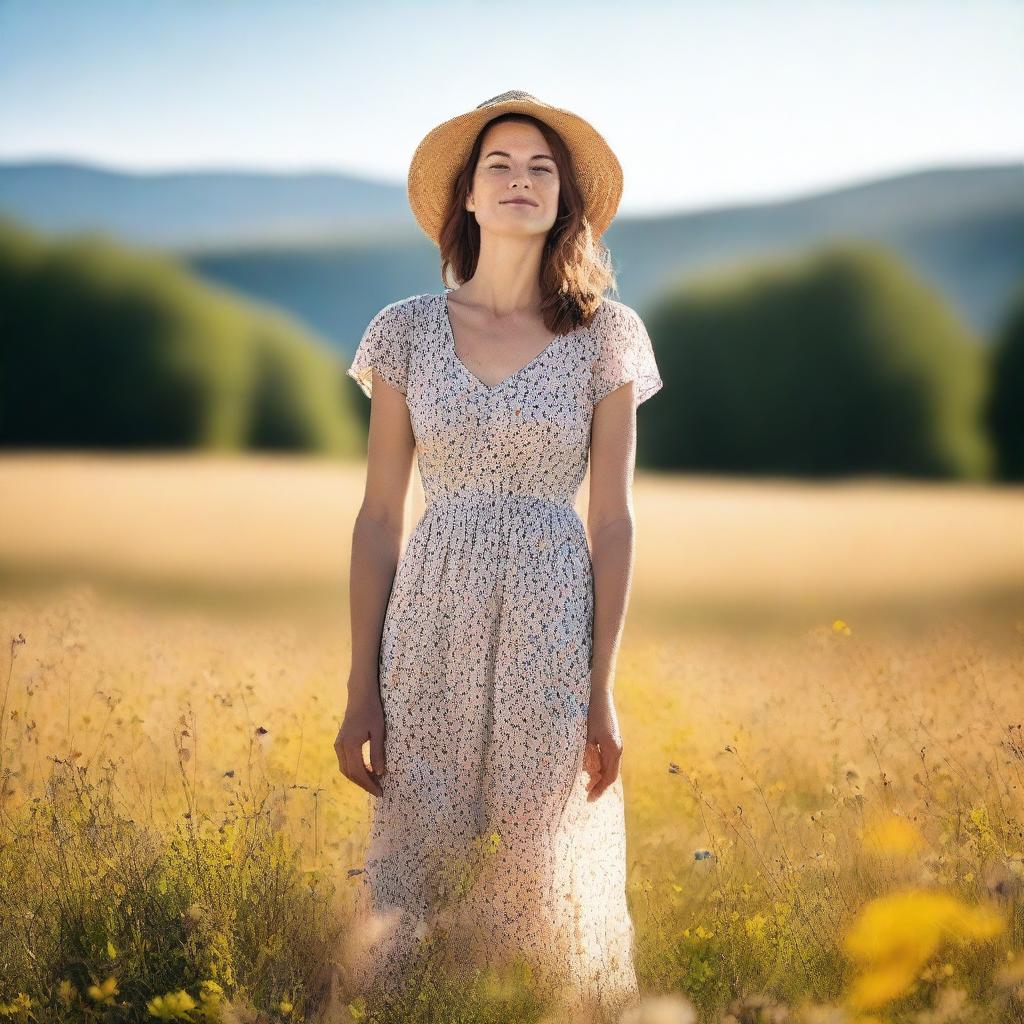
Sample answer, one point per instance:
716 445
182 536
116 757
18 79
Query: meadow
819 687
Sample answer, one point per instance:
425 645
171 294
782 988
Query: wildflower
893 834
895 935
211 997
172 1006
105 992
20 1005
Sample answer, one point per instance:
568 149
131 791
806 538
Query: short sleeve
624 354
385 346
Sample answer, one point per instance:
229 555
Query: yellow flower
895 935
883 983
892 834
172 1006
105 992
210 998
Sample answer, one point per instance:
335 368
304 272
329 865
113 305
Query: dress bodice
528 435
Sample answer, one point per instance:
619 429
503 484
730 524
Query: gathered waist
472 498
548 522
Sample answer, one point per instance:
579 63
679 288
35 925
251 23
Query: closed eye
495 167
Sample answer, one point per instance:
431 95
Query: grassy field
820 690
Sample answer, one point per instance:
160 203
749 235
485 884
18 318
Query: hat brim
444 150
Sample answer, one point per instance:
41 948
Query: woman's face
515 163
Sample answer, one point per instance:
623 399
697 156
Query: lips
521 202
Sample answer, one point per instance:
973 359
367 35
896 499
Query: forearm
375 553
612 560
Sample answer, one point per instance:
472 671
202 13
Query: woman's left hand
604 744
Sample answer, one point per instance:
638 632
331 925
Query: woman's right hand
364 720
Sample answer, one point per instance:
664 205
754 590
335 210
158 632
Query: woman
483 658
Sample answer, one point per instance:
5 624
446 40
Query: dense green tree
1006 403
838 362
104 346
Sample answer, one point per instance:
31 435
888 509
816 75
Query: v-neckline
468 372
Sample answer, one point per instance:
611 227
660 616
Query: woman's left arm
610 528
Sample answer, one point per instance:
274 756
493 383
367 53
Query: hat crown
512 94
442 153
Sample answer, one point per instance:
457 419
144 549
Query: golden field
820 689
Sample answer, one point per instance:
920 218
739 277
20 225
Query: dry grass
819 688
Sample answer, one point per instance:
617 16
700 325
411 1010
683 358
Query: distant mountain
333 249
198 208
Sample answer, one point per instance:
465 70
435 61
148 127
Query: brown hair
576 267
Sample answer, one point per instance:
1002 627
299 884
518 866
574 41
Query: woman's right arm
376 546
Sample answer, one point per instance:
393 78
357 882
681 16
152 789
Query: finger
599 782
358 773
610 759
610 756
603 784
593 775
380 769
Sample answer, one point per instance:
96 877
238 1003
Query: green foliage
296 394
107 347
839 362
1006 403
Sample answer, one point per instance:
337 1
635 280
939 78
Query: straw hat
444 150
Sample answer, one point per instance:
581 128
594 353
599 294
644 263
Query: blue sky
705 103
